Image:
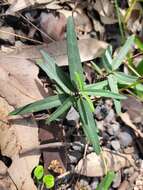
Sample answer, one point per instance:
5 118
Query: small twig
23 37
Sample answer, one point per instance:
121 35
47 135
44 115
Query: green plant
115 79
71 91
47 180
106 182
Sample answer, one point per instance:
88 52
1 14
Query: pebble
125 139
74 156
115 145
114 129
94 183
72 115
84 184
110 117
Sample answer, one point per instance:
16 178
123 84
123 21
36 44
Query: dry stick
10 33
44 146
42 32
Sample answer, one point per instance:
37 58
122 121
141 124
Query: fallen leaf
127 120
14 137
93 165
134 108
89 49
6 182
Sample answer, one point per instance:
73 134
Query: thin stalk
119 21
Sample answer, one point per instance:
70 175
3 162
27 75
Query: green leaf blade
47 103
60 110
106 182
97 85
123 78
54 72
107 59
73 53
89 125
114 88
105 93
117 61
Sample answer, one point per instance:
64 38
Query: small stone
110 117
117 180
72 115
125 139
94 183
108 104
74 156
115 145
114 129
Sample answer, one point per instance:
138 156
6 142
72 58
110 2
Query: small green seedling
106 182
72 90
49 181
39 172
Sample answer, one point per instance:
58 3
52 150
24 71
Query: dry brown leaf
19 82
89 49
93 165
17 5
6 182
14 137
127 120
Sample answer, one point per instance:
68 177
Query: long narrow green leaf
107 59
104 93
117 61
89 125
97 85
73 53
47 103
106 182
123 78
54 72
60 110
114 88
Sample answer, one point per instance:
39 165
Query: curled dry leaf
93 165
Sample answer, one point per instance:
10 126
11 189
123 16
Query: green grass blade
114 88
89 125
140 68
118 60
105 93
139 43
107 59
97 85
47 103
89 101
54 72
60 110
80 82
73 53
106 182
123 78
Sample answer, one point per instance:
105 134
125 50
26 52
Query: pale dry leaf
127 120
6 182
19 82
14 137
93 165
89 49
17 5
